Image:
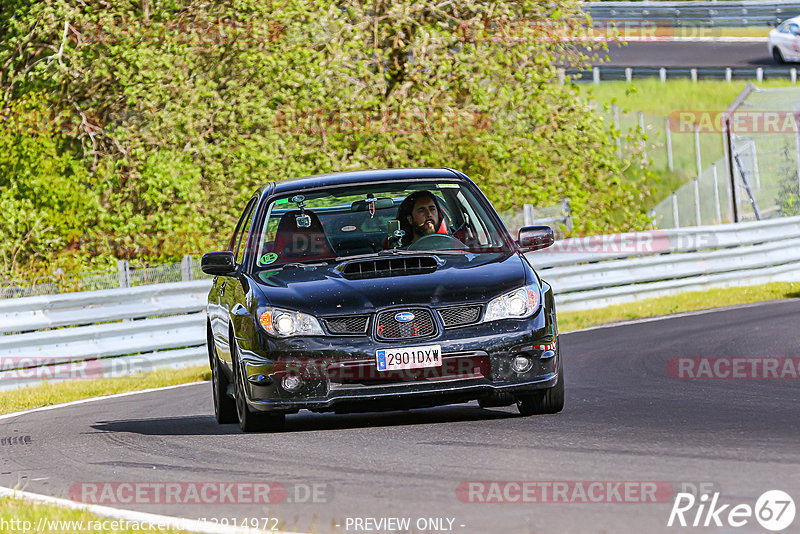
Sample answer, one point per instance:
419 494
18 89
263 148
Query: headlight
286 323
517 304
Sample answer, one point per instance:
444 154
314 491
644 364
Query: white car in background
784 41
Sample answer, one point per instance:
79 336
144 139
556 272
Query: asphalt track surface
690 54
625 420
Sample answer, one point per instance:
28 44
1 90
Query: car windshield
342 222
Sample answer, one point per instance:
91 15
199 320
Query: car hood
323 290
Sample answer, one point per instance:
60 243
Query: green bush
178 109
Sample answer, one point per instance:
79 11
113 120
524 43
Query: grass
679 303
59 392
23 516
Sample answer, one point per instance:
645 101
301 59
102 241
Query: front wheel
224 406
546 401
777 56
249 421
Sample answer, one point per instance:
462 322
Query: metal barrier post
675 210
697 149
186 269
124 270
697 201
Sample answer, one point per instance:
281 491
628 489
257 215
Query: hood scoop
386 267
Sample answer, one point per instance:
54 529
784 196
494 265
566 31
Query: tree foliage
177 109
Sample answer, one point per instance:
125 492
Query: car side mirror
219 263
535 238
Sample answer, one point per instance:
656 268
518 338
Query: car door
225 287
789 41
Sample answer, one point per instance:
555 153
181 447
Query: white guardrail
117 332
598 271
112 332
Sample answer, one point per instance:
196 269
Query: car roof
357 177
793 19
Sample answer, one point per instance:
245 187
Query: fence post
662 73
697 201
675 210
596 74
670 161
716 194
124 270
186 269
527 214
793 74
731 172
728 75
694 75
628 74
760 74
697 149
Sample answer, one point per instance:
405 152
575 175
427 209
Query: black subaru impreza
378 290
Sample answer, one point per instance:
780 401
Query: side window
783 28
794 29
237 234
245 233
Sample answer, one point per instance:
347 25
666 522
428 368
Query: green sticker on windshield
268 258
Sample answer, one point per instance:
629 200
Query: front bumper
339 373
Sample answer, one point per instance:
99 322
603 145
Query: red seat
307 244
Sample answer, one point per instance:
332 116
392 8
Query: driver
420 215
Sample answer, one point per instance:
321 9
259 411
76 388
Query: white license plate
409 358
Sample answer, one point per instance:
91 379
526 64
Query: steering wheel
436 242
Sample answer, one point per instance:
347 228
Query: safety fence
755 174
598 74
123 276
594 272
741 13
126 331
100 334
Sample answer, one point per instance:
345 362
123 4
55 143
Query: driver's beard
423 229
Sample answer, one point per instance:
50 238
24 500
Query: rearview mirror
376 203
219 263
535 238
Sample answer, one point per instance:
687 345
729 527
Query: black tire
249 421
224 405
777 56
546 401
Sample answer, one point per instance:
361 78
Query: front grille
388 327
383 268
354 324
463 315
